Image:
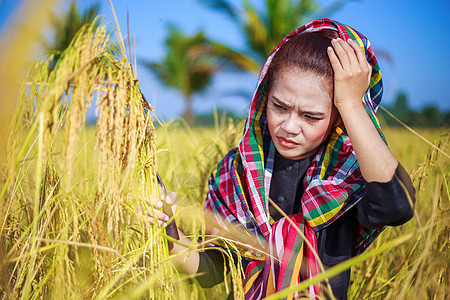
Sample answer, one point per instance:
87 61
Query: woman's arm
207 266
187 261
390 195
389 203
351 80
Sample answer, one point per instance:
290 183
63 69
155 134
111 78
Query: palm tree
263 29
191 62
67 26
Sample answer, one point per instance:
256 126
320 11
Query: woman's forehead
304 89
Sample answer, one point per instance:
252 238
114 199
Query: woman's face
300 113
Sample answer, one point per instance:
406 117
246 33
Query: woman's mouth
287 143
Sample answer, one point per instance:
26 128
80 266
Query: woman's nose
291 125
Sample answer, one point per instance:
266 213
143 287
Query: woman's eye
311 118
279 106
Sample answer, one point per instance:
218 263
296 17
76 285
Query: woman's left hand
351 80
351 72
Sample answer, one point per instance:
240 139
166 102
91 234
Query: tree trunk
188 114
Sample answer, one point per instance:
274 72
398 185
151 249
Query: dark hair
306 51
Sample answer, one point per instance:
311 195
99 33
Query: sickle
171 227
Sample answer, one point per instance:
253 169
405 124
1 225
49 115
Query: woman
313 145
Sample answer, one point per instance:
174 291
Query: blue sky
414 33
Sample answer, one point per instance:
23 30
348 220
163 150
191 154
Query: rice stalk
70 225
417 269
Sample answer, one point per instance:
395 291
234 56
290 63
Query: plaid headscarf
239 187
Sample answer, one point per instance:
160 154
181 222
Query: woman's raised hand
351 72
351 80
146 214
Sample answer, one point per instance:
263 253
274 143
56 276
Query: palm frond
222 6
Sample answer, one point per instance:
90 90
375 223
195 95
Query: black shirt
384 204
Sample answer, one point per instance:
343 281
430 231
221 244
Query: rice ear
82 204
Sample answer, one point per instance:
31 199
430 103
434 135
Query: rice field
70 194
413 262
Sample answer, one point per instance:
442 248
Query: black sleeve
210 268
390 203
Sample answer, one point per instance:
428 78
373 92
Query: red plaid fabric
239 187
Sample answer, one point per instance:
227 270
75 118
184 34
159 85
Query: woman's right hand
146 214
187 261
